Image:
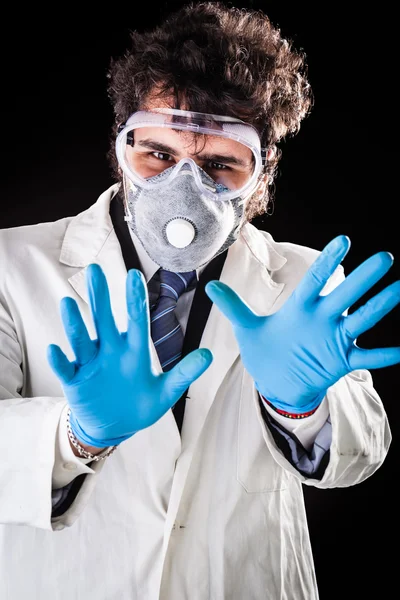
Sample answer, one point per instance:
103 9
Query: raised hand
110 387
297 353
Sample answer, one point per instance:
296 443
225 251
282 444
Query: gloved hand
110 387
295 354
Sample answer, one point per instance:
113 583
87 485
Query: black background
339 175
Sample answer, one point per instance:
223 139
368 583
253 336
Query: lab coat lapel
91 238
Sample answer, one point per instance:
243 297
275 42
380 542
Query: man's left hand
297 353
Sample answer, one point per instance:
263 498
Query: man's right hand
110 387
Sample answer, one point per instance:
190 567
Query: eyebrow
222 158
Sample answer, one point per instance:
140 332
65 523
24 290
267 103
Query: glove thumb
60 364
185 373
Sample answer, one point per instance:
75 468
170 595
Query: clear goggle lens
226 149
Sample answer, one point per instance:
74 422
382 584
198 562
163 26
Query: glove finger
358 283
322 268
373 359
373 311
62 367
231 305
75 329
100 304
184 374
137 303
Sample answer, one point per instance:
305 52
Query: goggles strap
264 152
129 137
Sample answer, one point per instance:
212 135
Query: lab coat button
69 466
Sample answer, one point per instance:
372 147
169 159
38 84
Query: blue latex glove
297 353
110 387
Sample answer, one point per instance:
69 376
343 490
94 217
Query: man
213 370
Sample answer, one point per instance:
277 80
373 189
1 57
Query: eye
217 166
161 156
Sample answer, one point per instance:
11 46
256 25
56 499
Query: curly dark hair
221 60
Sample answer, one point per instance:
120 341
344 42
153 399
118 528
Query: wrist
83 439
291 415
92 449
295 411
80 449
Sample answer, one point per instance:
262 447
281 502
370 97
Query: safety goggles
226 148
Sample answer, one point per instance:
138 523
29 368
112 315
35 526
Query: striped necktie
166 332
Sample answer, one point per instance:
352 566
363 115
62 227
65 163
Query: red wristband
289 415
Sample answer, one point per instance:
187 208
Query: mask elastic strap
126 205
243 203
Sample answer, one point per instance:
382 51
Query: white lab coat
217 514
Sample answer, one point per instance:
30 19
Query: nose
180 233
189 166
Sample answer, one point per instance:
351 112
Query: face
185 228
